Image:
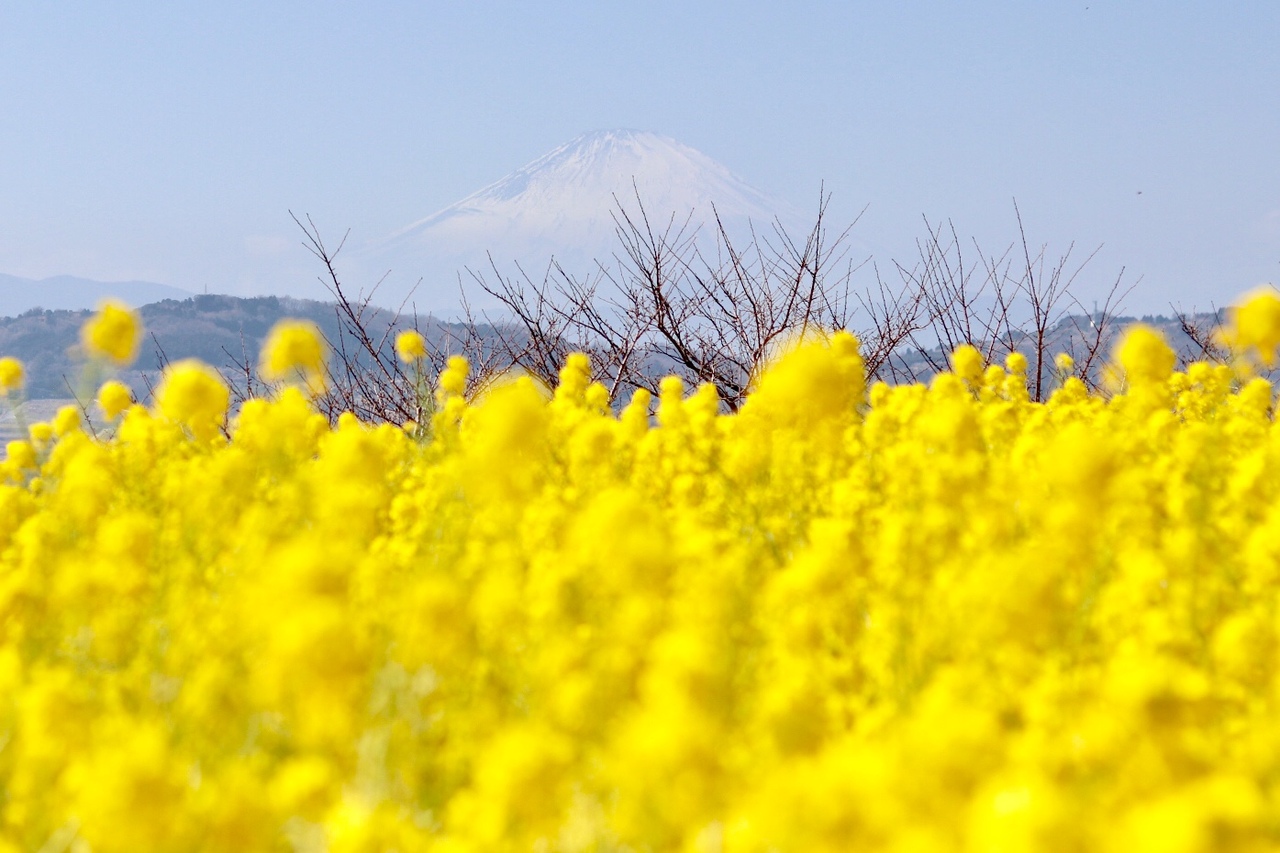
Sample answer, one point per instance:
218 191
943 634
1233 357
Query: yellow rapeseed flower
11 375
66 420
113 333
113 398
911 617
40 433
967 363
294 349
1145 355
194 395
1016 363
411 346
21 453
453 379
1257 324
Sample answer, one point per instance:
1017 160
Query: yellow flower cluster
919 618
295 351
1256 324
11 375
114 333
411 346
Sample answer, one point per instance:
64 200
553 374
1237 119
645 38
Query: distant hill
1073 335
228 331
64 292
222 331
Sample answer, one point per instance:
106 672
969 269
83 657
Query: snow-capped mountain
561 205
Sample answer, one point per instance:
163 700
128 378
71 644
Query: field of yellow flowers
845 618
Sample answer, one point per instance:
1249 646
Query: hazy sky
168 141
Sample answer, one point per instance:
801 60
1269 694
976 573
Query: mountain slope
562 204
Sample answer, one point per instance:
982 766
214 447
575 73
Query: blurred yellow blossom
195 396
410 346
113 333
40 433
934 617
294 349
11 375
1257 324
113 398
967 363
453 379
21 454
66 420
1145 355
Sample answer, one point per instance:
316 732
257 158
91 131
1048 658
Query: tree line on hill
666 305
228 331
224 331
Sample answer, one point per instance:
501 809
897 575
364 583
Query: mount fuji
561 206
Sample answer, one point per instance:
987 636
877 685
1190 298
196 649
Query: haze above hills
560 206
65 292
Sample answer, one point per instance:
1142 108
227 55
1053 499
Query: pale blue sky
167 141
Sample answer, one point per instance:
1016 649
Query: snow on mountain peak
578 181
562 205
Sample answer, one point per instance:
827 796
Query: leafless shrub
668 306
712 311
671 305
1201 341
364 375
1011 302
